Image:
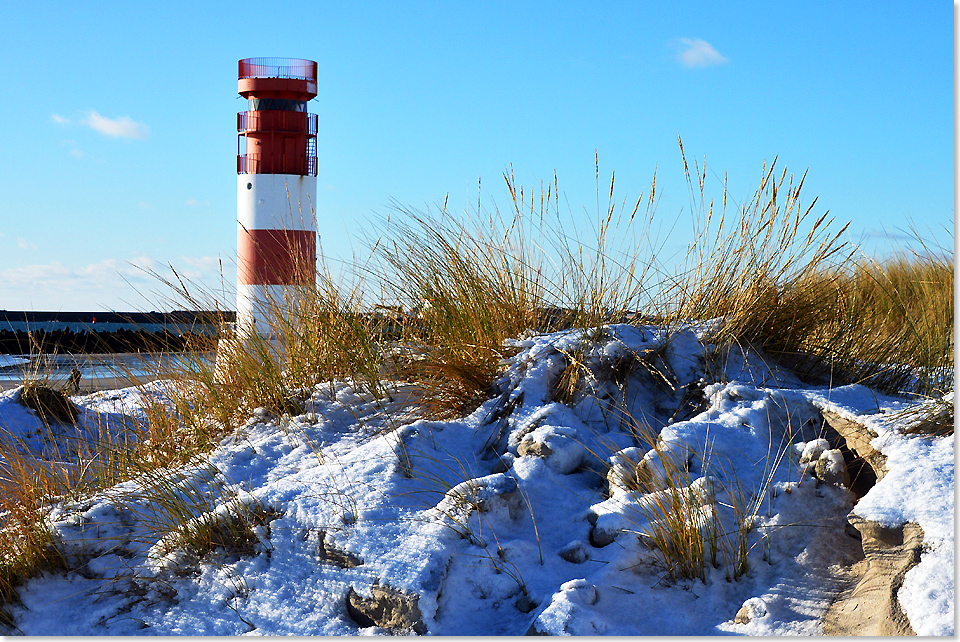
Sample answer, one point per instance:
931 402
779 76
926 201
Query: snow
526 515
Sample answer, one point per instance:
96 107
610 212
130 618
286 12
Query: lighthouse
276 188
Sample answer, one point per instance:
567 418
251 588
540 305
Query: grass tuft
50 404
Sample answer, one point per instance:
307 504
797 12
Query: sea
56 368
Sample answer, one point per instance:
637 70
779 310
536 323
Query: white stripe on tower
276 187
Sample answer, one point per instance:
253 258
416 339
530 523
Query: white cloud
203 266
76 153
123 127
110 284
60 120
24 244
695 52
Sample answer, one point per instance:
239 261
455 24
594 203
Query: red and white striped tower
276 187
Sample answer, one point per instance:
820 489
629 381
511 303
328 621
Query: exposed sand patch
866 603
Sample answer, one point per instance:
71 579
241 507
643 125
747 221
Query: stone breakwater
86 342
109 332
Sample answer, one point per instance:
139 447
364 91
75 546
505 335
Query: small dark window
249 185
277 104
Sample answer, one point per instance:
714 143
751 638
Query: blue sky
119 146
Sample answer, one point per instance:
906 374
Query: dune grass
471 290
784 280
896 328
765 270
512 272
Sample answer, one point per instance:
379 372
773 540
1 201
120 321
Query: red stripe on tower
276 186
274 257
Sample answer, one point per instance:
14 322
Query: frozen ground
526 515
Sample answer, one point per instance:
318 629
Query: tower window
277 104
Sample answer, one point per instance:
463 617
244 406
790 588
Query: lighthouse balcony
253 163
288 78
295 68
277 121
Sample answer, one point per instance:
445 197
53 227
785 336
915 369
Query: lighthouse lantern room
276 188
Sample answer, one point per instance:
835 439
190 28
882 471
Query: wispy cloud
112 283
887 235
75 150
203 264
24 244
694 52
56 276
60 120
123 127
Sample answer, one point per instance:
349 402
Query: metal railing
305 165
277 121
296 68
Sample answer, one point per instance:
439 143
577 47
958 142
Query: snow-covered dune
537 512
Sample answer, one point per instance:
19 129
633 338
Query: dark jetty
181 330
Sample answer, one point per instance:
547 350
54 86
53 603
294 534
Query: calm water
58 367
